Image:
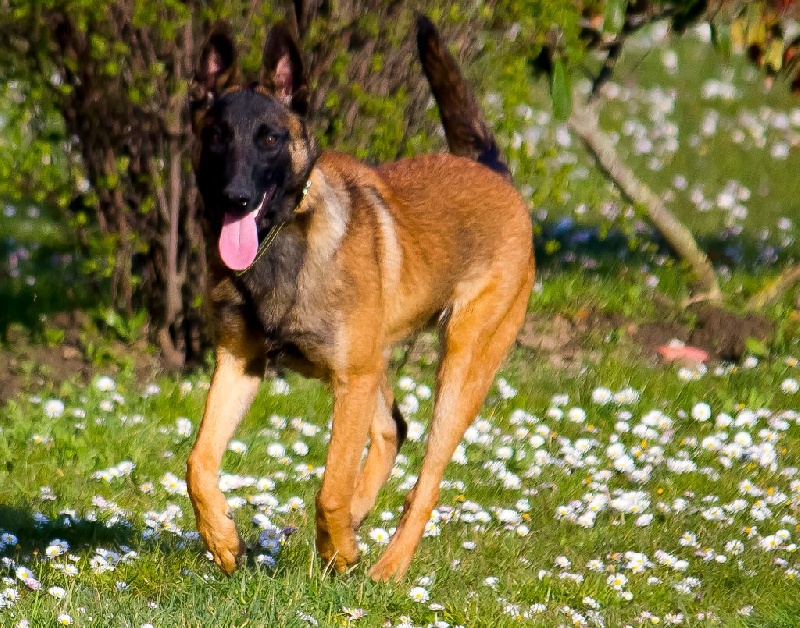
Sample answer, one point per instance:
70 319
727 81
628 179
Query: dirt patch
26 363
653 334
564 340
724 335
37 366
719 332
76 351
546 334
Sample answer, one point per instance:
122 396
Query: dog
321 264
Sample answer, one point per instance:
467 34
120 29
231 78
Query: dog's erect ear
282 71
216 68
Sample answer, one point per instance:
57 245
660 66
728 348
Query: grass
659 118
40 274
99 465
170 581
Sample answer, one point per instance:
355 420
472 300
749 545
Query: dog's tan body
388 250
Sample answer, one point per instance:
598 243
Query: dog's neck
266 240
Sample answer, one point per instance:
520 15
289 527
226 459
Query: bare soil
580 337
29 363
26 363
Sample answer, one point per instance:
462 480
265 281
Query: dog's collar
273 233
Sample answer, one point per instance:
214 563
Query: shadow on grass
113 541
50 281
565 241
34 532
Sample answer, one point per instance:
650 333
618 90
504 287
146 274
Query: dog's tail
465 128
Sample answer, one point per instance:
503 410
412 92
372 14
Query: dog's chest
293 303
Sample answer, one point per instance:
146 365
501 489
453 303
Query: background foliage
95 126
116 75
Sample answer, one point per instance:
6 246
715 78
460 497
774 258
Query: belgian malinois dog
321 263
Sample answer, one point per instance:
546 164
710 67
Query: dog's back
454 215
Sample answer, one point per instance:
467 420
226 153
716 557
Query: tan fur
388 250
447 235
383 447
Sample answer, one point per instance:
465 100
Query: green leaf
614 18
721 38
560 91
755 347
53 337
551 247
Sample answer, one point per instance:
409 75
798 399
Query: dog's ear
282 70
216 68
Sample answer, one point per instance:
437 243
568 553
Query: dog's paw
229 560
390 566
339 559
223 541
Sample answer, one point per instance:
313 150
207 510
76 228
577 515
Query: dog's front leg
233 387
353 407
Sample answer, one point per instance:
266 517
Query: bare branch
609 64
775 289
634 21
583 121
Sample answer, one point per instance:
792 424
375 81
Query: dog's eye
267 137
216 139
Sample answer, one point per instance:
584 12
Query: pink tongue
238 242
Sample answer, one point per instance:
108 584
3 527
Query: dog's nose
237 199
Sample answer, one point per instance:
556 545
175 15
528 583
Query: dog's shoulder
331 160
344 173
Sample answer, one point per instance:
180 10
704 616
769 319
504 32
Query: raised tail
465 127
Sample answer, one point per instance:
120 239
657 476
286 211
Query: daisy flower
53 408
103 384
379 535
57 592
419 594
237 447
790 386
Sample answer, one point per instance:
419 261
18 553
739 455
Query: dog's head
253 151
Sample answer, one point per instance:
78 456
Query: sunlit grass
505 559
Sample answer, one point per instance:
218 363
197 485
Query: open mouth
238 240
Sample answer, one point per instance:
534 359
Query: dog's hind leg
233 387
386 434
476 340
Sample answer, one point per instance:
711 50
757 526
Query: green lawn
630 439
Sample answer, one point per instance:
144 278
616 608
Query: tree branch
633 22
609 64
776 288
583 121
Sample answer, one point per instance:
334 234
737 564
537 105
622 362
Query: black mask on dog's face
254 151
